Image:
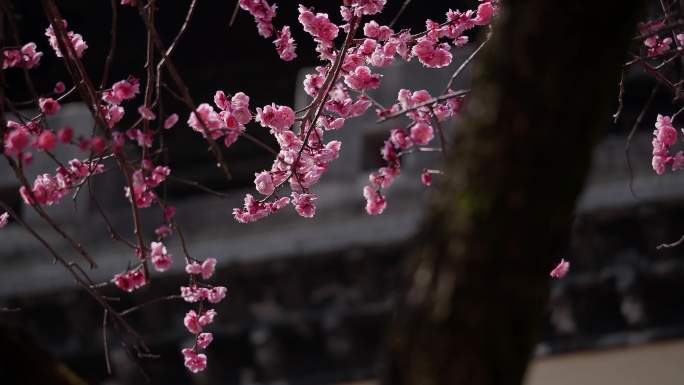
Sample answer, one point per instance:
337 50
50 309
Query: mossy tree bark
479 283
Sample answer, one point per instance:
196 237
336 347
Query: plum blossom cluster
26 57
131 279
304 156
285 44
228 123
664 136
297 164
113 112
319 26
263 15
79 45
339 87
201 294
655 45
402 141
144 180
50 189
365 7
137 277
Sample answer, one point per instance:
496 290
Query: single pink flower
17 138
561 269
204 339
426 177
192 323
98 144
126 89
46 140
193 361
208 267
216 294
264 183
170 121
375 202
4 218
48 106
146 113
207 317
422 133
303 204
59 87
65 135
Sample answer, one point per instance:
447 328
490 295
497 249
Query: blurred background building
310 299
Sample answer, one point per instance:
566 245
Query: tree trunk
480 281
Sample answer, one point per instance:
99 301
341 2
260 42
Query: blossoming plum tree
351 47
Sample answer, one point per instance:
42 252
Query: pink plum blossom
146 113
303 204
59 87
278 118
77 42
263 14
561 269
46 140
426 177
375 202
216 294
422 133
160 257
170 121
264 183
195 362
48 106
432 53
4 218
204 339
285 44
192 322
362 79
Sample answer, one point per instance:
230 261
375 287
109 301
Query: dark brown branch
150 302
185 93
112 44
197 185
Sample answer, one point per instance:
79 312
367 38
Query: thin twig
670 245
235 12
197 185
104 342
621 94
442 139
401 10
628 143
150 302
185 93
464 64
112 45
